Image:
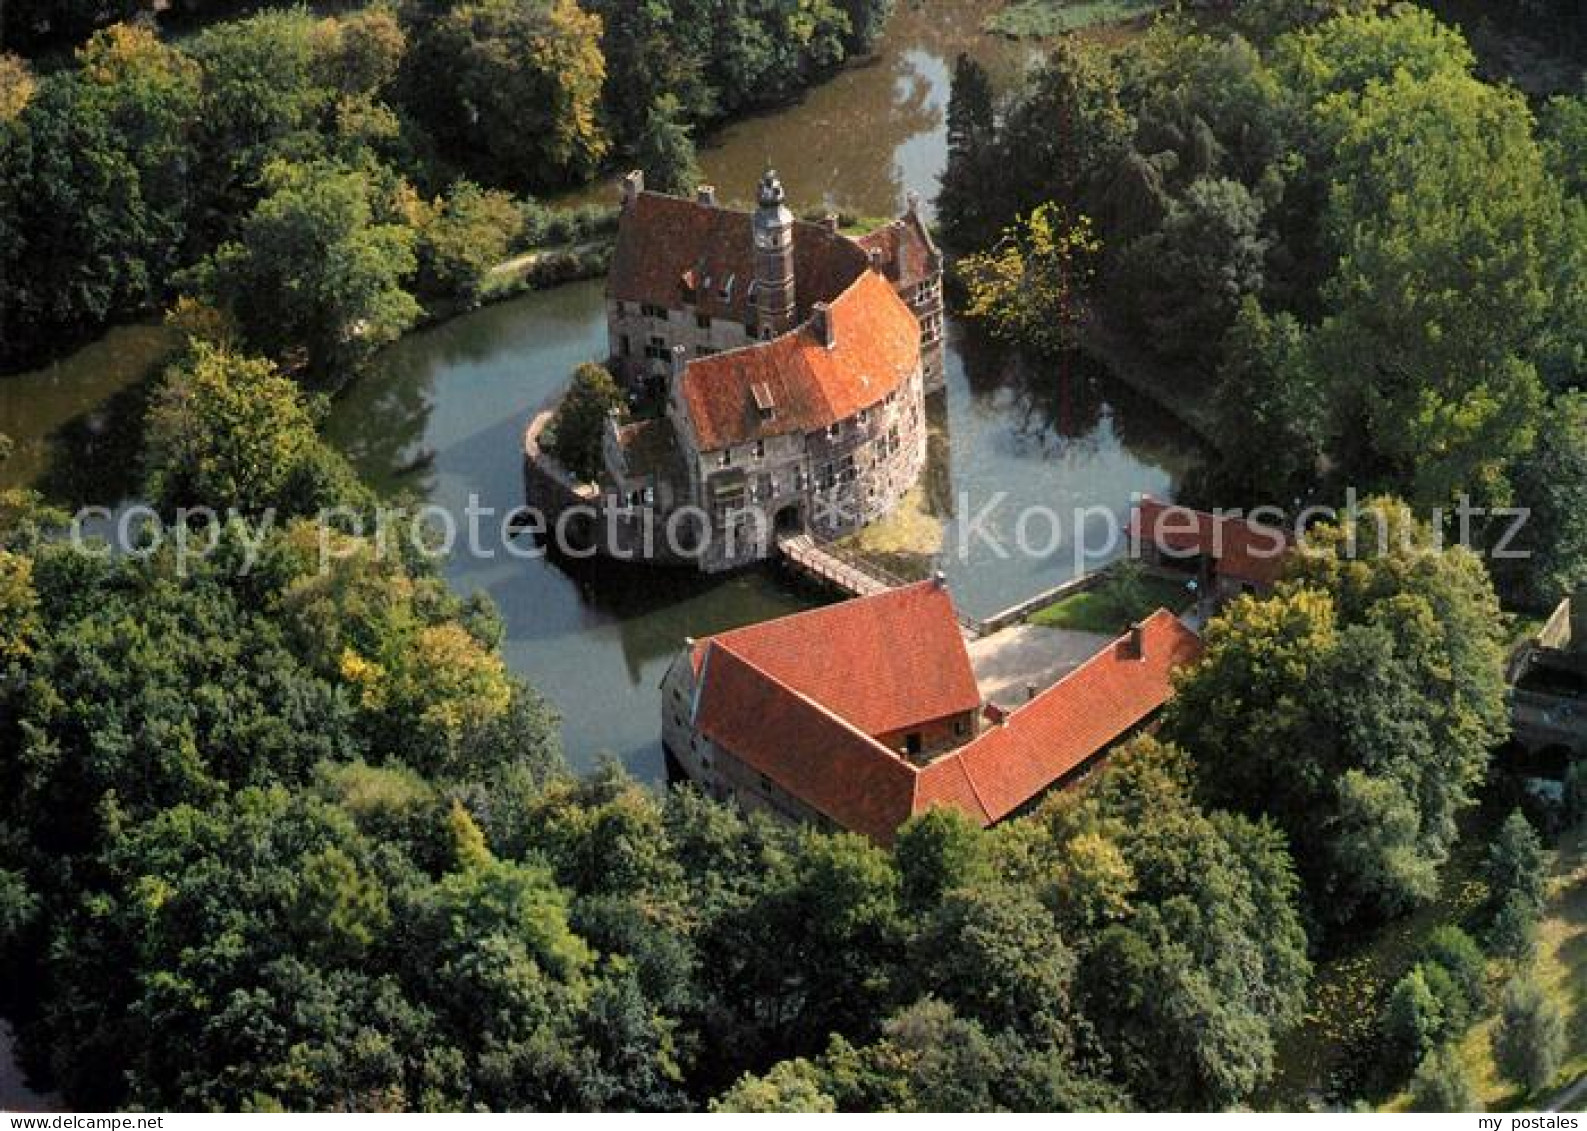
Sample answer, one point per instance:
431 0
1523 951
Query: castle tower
774 258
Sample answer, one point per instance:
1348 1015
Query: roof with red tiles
908 251
803 748
875 350
1080 716
884 663
767 699
673 253
1244 550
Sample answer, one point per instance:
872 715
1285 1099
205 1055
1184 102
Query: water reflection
76 423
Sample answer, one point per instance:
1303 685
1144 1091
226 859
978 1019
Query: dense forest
1334 238
314 178
283 831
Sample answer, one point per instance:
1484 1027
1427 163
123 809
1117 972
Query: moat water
444 411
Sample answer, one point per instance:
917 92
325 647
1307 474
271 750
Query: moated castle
789 362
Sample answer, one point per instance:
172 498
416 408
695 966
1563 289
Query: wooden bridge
804 555
848 574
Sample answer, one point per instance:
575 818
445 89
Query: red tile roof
1244 551
1078 717
768 698
804 749
673 252
876 349
885 663
907 250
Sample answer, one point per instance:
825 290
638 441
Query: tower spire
774 256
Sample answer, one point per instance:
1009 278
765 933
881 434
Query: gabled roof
876 347
803 748
771 697
883 664
673 252
1244 551
907 250
1078 717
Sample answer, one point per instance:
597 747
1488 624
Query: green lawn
1111 607
1042 19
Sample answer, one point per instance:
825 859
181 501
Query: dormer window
765 406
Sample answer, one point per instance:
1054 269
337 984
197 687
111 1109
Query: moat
444 412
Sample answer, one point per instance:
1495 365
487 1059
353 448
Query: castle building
863 714
791 362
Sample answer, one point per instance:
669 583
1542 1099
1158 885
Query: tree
1529 1039
577 429
1447 228
462 236
966 209
665 150
1516 865
1265 388
940 851
513 89
95 188
316 275
1455 952
1441 1083
789 1086
1551 484
1512 932
1029 286
16 86
1356 707
1413 1022
1188 278
229 432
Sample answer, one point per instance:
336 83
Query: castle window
650 310
703 321
625 348
760 449
865 415
725 459
835 429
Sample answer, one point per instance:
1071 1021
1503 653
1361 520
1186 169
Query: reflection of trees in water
1069 404
379 425
657 607
96 457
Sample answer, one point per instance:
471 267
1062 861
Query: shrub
1440 1083
1529 1040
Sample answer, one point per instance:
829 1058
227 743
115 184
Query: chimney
939 579
875 256
707 196
831 222
913 200
821 322
633 185
1138 641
